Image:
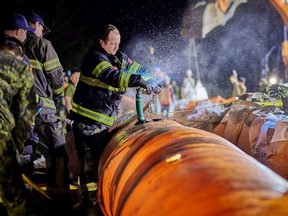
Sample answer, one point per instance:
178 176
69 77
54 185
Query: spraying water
241 44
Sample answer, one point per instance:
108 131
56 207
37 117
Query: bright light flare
272 80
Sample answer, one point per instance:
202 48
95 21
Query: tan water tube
163 168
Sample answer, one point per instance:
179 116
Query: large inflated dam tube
164 168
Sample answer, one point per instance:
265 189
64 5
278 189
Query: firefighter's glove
157 89
144 84
90 130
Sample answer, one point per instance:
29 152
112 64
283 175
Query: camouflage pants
12 188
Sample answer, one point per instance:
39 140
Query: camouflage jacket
17 99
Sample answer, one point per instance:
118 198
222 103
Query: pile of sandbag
268 137
253 123
260 131
205 115
236 124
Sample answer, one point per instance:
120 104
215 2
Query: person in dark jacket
17 113
16 26
49 80
106 73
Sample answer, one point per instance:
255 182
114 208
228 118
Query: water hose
139 108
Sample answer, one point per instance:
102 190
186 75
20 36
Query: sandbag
277 153
206 115
235 125
269 138
260 135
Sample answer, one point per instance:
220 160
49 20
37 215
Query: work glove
146 85
157 89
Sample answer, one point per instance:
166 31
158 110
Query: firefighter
17 110
106 73
49 80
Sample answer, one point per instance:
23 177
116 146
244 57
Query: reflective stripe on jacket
103 81
99 117
47 70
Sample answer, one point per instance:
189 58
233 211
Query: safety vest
165 96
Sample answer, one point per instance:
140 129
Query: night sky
240 44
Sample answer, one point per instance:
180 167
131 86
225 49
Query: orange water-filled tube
163 168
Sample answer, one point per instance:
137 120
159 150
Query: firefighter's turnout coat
103 81
48 72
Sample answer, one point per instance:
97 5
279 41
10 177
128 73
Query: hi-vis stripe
91 186
95 82
36 64
101 67
52 64
124 80
59 90
48 103
107 120
48 66
271 103
134 67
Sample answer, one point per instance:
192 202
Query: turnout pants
52 145
90 141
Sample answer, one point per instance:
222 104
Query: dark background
241 44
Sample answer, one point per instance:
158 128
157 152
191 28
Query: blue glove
39 111
147 80
34 137
39 106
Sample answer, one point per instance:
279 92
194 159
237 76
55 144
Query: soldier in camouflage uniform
17 110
